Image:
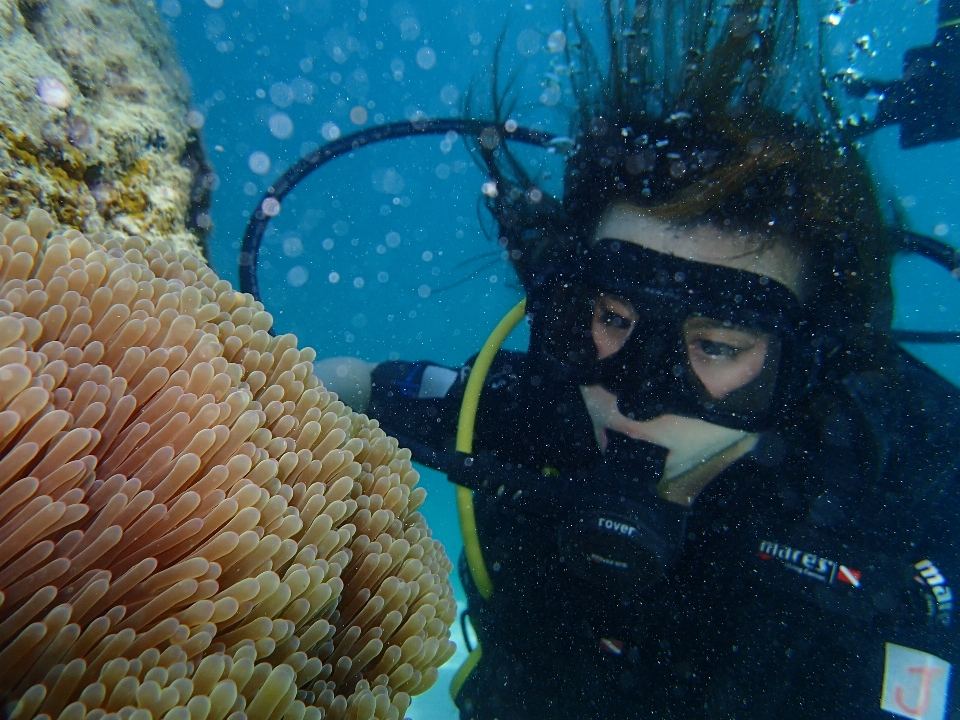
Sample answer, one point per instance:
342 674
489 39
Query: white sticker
915 684
436 381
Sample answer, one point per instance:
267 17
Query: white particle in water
941 229
334 277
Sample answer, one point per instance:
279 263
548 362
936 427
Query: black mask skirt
684 314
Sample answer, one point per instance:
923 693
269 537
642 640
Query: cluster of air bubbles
330 131
446 145
259 162
297 276
54 93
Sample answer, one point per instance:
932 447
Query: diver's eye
717 349
612 319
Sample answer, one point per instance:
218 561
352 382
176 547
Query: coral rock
93 121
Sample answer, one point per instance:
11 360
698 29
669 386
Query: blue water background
398 226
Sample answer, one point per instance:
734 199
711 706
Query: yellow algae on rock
93 121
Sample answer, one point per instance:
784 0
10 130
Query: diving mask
668 335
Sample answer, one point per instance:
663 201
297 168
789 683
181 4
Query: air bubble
557 41
393 239
358 115
297 276
427 256
424 291
292 246
528 42
443 171
426 58
270 207
281 126
281 95
330 131
259 162
334 277
382 276
358 282
327 244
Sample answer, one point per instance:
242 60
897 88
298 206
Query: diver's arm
348 377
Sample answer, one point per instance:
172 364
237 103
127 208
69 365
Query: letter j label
915 684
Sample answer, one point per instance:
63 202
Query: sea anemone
191 526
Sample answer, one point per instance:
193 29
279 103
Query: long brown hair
708 112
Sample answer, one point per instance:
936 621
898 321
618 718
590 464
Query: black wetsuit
805 563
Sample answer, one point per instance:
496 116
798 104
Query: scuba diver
714 486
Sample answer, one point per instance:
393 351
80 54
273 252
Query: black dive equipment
925 101
676 346
612 528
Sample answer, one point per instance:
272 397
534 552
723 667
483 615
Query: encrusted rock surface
94 121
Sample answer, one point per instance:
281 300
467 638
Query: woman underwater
712 487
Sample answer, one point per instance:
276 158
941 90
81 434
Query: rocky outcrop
95 121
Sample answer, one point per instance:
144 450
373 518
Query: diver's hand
348 377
